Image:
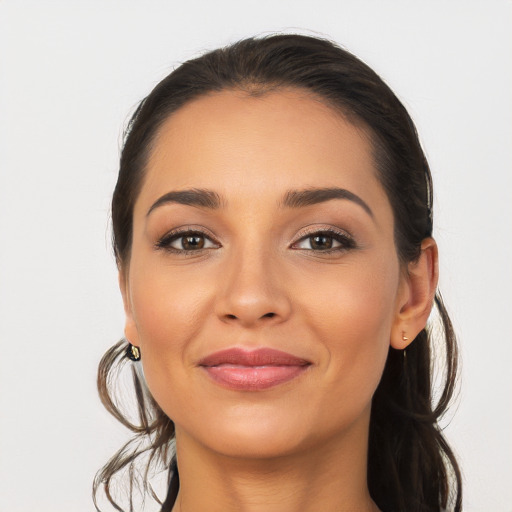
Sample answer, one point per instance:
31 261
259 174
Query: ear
416 295
131 333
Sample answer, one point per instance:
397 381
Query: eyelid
164 241
321 228
335 232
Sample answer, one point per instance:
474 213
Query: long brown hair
411 467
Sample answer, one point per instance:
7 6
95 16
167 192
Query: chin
243 432
256 443
268 433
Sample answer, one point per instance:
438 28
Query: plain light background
70 73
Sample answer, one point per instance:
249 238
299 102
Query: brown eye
325 241
189 243
186 241
321 242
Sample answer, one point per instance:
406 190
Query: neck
329 477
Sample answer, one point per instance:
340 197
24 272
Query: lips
254 369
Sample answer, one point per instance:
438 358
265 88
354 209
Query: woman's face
261 227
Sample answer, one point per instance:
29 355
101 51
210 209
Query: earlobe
417 296
130 330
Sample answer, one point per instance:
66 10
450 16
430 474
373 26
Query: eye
186 242
325 240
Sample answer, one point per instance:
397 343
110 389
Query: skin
259 282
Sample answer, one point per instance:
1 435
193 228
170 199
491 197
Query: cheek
167 307
168 313
359 300
353 320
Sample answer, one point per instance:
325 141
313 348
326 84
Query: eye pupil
321 242
192 242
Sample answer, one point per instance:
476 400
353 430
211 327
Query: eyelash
346 241
166 241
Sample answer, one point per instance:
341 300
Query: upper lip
255 357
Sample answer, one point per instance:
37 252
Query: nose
252 291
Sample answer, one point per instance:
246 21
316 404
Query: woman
272 228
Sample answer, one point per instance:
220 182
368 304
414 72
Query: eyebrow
204 198
201 198
307 197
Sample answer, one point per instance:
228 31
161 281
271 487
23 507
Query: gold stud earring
133 352
404 337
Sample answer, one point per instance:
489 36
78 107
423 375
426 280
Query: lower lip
253 378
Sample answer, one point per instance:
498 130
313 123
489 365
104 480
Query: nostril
231 316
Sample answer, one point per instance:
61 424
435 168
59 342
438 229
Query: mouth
253 370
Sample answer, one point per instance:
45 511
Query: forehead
236 144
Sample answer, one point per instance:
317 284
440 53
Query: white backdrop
71 71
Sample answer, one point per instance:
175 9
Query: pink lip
252 370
